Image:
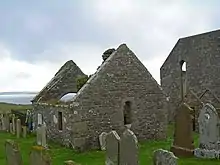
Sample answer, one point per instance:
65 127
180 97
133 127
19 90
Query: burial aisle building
121 93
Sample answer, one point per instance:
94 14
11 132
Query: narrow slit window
127 113
60 121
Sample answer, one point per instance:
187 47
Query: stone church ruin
191 72
120 94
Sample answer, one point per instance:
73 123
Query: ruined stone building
63 82
120 93
199 81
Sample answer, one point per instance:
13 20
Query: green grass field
4 107
60 154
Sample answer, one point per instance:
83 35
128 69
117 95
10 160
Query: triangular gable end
121 62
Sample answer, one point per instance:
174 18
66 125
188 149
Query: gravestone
183 134
102 140
24 131
11 128
208 127
208 133
163 157
39 135
7 122
18 128
13 124
112 148
39 156
43 136
128 148
13 155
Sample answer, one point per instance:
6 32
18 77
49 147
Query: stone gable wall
201 54
100 102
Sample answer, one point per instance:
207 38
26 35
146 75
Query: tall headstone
13 124
163 157
39 156
11 128
102 140
209 145
44 135
183 135
13 155
7 122
112 148
128 148
39 135
18 129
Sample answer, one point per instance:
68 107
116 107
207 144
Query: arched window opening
67 97
127 113
183 78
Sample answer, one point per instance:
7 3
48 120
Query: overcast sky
38 37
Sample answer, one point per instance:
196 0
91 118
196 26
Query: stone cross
102 140
183 135
13 155
208 127
128 148
112 148
18 129
163 157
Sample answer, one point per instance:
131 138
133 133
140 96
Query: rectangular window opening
60 121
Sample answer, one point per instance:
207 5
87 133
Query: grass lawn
60 154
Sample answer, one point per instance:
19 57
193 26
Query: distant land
17 97
17 93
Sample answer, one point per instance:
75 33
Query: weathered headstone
128 148
38 131
24 131
13 124
43 136
183 136
18 129
163 157
39 156
208 133
112 148
102 140
11 128
7 122
13 155
208 127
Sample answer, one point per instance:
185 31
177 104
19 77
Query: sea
17 98
25 98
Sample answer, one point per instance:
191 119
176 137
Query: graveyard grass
60 154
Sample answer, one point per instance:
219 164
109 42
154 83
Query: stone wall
50 117
201 54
